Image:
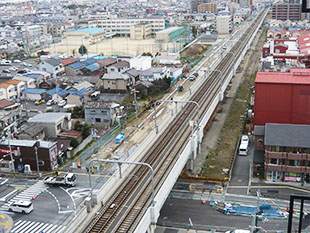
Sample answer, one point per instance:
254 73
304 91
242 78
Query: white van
24 207
243 148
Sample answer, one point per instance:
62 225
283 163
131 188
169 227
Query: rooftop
107 61
31 129
295 76
101 105
115 75
89 30
50 117
287 135
68 61
5 103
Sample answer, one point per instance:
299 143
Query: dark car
22 72
195 74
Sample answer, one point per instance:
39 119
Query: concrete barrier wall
74 224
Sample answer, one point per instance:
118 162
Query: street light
120 173
176 101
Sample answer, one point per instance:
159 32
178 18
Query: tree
194 31
74 142
147 54
82 50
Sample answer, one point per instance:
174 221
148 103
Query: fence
98 143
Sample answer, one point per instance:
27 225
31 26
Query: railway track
123 210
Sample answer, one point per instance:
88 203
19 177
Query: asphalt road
241 171
177 212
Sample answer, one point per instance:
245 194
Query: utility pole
37 159
11 155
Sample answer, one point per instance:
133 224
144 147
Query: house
36 76
8 91
52 66
10 115
116 82
34 94
75 68
47 85
54 122
20 86
85 84
175 72
74 100
24 153
141 62
31 131
154 73
106 62
29 82
68 61
102 112
120 67
133 73
286 149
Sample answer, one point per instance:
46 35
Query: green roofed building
171 34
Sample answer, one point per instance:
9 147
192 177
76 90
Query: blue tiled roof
34 91
54 91
89 30
83 90
77 65
92 67
90 61
32 75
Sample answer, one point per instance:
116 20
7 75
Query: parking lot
13 68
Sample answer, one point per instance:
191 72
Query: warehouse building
289 92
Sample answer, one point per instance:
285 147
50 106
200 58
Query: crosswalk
23 226
27 194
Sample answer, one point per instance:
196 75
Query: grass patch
220 158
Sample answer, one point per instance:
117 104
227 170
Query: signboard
290 178
6 151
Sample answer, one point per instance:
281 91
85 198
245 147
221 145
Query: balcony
275 155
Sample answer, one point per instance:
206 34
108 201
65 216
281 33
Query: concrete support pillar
221 94
151 229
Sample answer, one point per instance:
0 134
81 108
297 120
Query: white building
121 27
52 66
141 62
223 24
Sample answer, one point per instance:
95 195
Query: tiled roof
5 103
107 61
68 61
77 65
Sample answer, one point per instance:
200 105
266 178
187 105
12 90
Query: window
260 142
294 162
59 126
274 161
98 119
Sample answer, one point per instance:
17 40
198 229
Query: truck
68 179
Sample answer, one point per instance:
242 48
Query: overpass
127 207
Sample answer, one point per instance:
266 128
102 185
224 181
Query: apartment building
207 7
285 11
121 27
223 24
195 3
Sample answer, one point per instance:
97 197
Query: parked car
5 62
62 103
6 71
195 74
192 78
13 68
24 207
17 61
38 102
37 59
27 64
50 102
22 72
